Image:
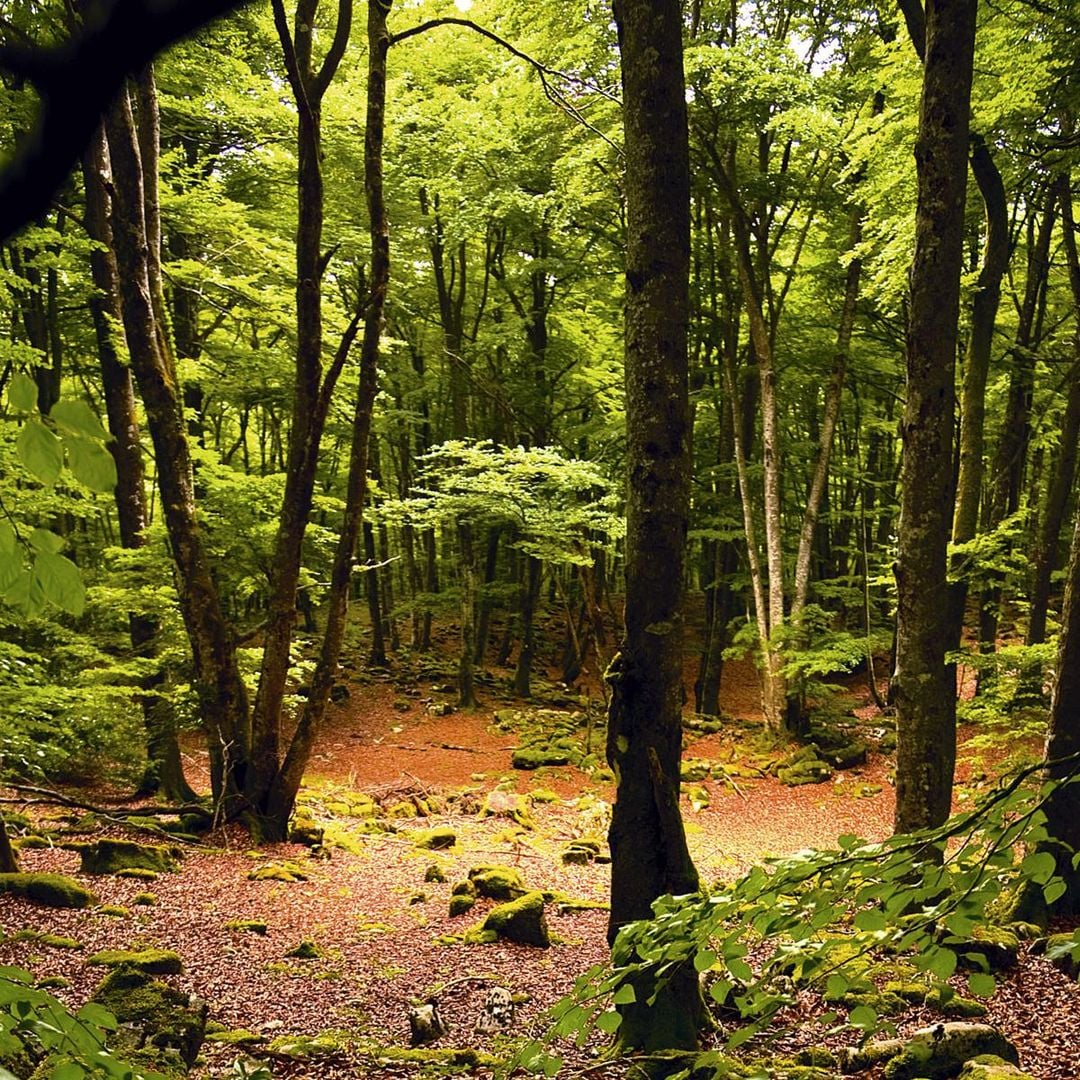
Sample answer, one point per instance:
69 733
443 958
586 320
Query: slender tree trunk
483 621
377 656
925 690
9 861
648 843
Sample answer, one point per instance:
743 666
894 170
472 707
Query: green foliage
818 918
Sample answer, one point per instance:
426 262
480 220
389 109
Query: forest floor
382 932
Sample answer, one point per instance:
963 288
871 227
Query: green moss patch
287 872
112 856
520 920
247 926
237 1037
435 839
49 890
141 961
306 950
49 941
497 882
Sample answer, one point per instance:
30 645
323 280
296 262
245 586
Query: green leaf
1039 866
720 989
870 919
1054 891
704 959
91 463
609 1021
26 593
46 542
68 1070
10 568
8 540
61 582
40 452
625 995
22 393
981 984
76 416
862 1016
943 963
98 1015
835 987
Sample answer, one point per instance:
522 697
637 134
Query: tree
644 743
925 691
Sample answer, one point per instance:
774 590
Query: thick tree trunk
220 687
9 861
925 689
648 843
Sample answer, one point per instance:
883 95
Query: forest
539 539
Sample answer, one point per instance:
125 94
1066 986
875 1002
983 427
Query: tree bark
648 844
925 694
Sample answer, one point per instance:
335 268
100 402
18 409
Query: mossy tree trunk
925 688
648 843
9 861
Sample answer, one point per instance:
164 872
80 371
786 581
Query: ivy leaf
22 393
981 984
77 417
609 1021
61 582
91 463
40 452
45 542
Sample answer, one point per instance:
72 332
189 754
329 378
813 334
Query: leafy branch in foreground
813 919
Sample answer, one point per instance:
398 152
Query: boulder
49 890
112 856
991 1067
932 1053
142 961
521 920
497 882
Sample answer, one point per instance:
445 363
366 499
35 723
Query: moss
311 1047
530 758
49 890
436 839
942 1050
50 941
450 1057
247 926
142 961
306 950
950 1004
153 1014
992 1067
111 856
520 920
113 911
497 882
144 899
510 805
403 809
999 947
460 904
287 872
575 856
1058 948
53 982
435 873
138 873
803 768
818 1056
236 1037
31 843
543 795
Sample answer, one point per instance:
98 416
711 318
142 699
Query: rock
304 831
434 873
534 757
142 961
510 805
112 856
287 872
1062 950
306 950
247 926
809 771
576 856
936 1052
460 904
991 1067
999 947
152 1014
521 920
339 692
497 882
440 708
845 756
436 839
498 1012
49 890
426 1024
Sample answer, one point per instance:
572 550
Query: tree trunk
9 861
925 687
648 843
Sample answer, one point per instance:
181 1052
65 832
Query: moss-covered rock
306 950
236 1037
462 899
287 872
438 839
247 926
111 856
144 899
1000 948
510 805
140 961
138 874
113 911
803 767
535 757
152 1014
577 856
520 920
49 941
435 874
1062 950
306 832
49 890
497 882
327 1044
991 1067
941 1051
845 755
944 1001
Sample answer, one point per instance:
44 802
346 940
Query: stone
112 856
435 873
534 757
304 831
142 961
497 882
498 1012
437 839
991 1067
510 805
521 920
460 904
999 947
1062 950
49 890
306 950
941 1051
426 1024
